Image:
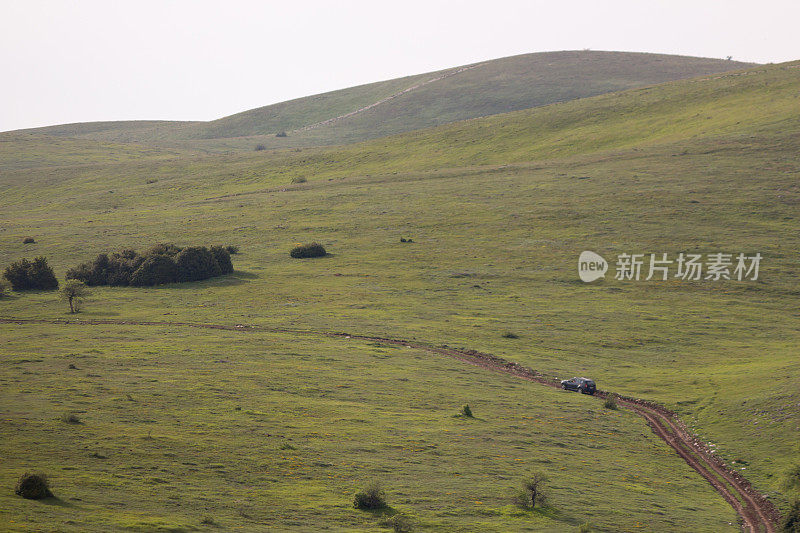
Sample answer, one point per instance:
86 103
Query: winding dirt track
757 513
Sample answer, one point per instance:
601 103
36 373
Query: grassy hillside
274 431
420 101
499 209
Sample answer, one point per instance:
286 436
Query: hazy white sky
87 60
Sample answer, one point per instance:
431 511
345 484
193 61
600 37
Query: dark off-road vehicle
582 385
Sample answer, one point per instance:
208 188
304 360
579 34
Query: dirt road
757 513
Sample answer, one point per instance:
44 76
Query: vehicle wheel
563 387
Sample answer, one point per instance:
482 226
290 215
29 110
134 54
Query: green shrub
611 401
155 270
372 498
260 147
115 270
168 249
33 487
223 258
31 275
162 263
466 411
70 418
28 240
231 249
302 251
196 263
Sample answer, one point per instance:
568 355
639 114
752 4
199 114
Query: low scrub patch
70 418
370 499
303 251
33 487
611 401
400 523
163 263
28 240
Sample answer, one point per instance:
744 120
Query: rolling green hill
414 102
499 208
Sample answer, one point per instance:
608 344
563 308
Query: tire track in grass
757 513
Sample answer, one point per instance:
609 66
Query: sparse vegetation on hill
163 263
488 88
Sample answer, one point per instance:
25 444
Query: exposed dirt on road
757 513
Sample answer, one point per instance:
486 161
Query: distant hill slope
405 104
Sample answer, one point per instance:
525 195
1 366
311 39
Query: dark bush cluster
302 251
28 240
280 134
372 498
31 275
163 263
260 147
33 487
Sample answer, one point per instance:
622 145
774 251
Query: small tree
533 493
74 292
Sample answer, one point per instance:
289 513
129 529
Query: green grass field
269 430
499 210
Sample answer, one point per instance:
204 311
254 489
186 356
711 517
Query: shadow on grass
381 512
238 277
55 501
